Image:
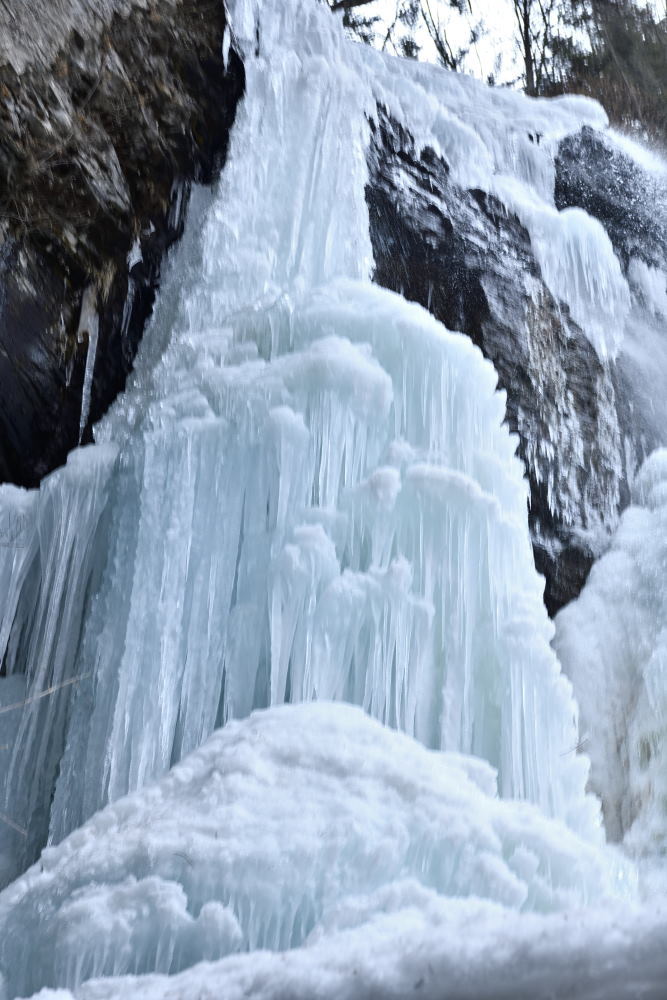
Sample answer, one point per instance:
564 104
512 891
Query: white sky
498 43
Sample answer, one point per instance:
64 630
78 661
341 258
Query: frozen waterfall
306 493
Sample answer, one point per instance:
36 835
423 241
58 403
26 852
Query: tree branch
349 4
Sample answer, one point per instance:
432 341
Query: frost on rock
613 643
308 494
278 825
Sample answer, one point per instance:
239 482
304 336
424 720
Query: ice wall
613 643
307 490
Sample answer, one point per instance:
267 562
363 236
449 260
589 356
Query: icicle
88 332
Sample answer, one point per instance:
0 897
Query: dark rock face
102 133
630 203
461 255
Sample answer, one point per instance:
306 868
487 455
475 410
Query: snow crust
613 643
418 944
300 822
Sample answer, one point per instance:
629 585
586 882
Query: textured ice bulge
307 490
280 824
613 644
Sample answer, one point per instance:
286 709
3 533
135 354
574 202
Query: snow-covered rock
551 255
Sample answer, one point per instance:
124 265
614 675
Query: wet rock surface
460 254
108 112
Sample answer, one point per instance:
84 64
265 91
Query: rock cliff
109 110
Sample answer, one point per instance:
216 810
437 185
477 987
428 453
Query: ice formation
88 332
306 490
651 282
613 643
278 825
307 493
408 941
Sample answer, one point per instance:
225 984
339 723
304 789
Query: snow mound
612 642
271 829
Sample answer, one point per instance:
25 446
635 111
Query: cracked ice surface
280 824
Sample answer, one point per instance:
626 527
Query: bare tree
360 24
403 23
450 57
535 24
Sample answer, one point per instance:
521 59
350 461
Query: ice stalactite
49 569
89 328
